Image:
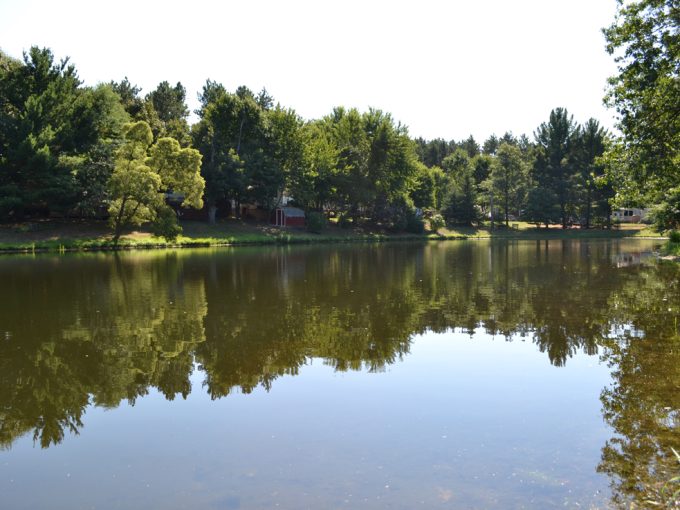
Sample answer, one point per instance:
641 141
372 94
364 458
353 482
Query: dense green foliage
508 179
56 138
558 178
142 175
645 41
60 151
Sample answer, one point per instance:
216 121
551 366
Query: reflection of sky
619 331
460 422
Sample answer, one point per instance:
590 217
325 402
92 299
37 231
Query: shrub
316 222
436 222
165 224
400 215
674 236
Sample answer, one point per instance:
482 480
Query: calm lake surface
444 375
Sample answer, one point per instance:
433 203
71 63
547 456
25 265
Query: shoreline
48 237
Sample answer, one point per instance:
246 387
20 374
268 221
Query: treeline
68 149
556 178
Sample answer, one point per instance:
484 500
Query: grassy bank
59 235
671 249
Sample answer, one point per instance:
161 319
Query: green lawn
524 230
76 235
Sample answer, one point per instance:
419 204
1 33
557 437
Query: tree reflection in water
642 405
99 329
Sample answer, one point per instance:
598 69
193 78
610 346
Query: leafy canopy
645 41
143 173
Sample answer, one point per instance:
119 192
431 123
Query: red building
288 217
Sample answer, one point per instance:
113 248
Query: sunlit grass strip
523 232
63 245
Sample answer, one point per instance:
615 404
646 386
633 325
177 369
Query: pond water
538 374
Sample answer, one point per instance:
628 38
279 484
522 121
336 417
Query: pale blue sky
443 68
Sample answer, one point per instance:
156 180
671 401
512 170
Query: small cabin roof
293 212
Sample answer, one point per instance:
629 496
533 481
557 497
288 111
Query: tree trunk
507 211
118 224
212 214
608 212
588 206
491 208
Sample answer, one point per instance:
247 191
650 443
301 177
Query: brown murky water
444 375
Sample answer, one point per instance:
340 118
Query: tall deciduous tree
391 165
141 176
423 192
315 183
645 41
353 185
286 145
376 165
232 138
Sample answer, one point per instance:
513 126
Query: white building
629 215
